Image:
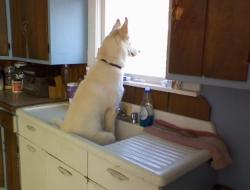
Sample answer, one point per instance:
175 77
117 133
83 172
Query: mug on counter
71 89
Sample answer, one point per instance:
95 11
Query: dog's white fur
92 112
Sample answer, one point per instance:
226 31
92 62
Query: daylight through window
148 29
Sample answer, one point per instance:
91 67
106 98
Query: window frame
96 33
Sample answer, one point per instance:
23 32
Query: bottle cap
147 89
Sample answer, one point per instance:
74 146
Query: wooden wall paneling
186 41
77 72
138 95
227 40
129 94
160 100
134 95
73 73
3 30
196 107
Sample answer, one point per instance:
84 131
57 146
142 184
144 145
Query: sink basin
51 113
48 113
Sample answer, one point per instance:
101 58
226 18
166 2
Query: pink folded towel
194 138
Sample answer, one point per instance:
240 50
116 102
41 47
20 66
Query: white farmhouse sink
48 112
51 113
154 160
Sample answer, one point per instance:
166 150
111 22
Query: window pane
148 29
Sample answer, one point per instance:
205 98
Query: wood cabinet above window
49 31
227 43
4 47
210 38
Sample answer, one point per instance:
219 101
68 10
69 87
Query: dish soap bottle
147 110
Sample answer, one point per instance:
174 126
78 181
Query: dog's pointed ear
116 25
124 29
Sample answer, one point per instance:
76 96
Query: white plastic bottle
147 110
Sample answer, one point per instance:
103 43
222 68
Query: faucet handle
120 111
134 117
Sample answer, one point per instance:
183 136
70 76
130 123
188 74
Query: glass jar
9 75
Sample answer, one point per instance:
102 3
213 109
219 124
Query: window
148 29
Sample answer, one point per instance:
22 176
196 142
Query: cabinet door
32 163
30 29
11 151
94 186
113 177
227 39
3 30
60 176
186 41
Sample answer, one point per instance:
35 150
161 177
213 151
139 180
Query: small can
17 86
71 89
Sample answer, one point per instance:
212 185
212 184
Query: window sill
161 88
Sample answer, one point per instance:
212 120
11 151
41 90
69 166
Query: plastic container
17 79
147 110
71 89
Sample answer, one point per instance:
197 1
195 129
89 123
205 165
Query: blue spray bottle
147 110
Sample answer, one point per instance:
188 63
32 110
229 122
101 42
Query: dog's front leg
110 116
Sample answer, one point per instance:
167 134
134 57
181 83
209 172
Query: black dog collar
111 64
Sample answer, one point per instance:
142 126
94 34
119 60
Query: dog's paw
104 138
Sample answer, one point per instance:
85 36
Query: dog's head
116 46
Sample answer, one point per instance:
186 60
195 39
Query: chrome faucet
134 117
122 115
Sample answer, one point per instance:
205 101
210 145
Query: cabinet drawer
112 176
62 148
68 152
60 176
94 186
32 162
31 131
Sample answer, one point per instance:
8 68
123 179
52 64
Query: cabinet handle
31 148
177 12
117 175
64 171
31 128
26 33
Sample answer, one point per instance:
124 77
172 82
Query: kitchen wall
231 115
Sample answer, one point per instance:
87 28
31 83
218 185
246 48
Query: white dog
92 112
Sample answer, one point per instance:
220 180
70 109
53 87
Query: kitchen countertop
11 101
